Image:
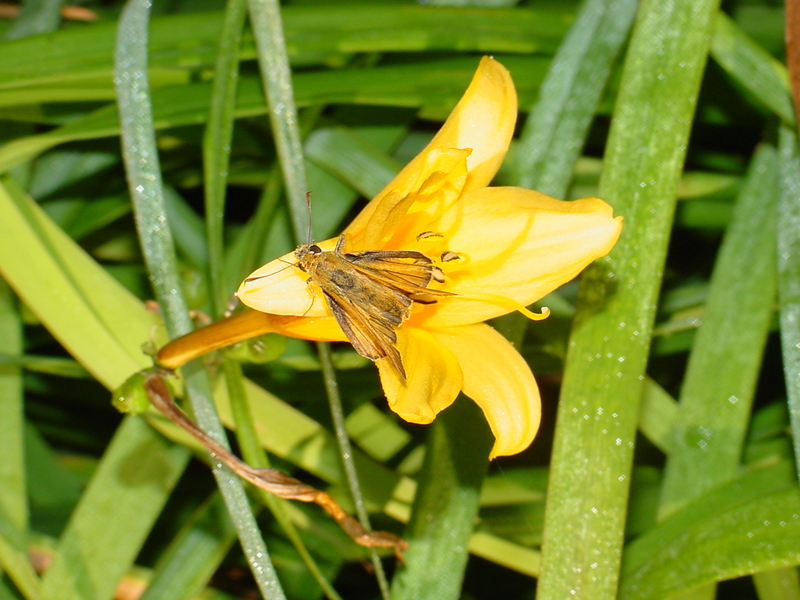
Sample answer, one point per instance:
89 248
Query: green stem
346 452
217 146
273 61
446 505
146 189
254 455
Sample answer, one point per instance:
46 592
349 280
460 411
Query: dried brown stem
793 50
271 480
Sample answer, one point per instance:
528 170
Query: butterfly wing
372 337
370 293
367 310
407 271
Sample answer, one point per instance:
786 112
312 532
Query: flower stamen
449 256
505 302
437 274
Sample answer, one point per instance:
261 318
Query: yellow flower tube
490 251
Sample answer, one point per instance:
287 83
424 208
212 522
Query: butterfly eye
314 249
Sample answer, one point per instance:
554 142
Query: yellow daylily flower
499 248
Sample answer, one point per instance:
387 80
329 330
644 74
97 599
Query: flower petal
482 121
445 174
518 243
433 377
499 380
243 326
281 288
318 329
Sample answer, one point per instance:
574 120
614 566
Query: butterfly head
306 254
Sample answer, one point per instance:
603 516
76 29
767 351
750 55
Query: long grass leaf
115 514
57 277
789 275
717 394
707 439
778 584
77 63
193 554
556 129
445 505
555 132
13 494
352 158
47 270
605 368
437 88
657 417
752 67
743 526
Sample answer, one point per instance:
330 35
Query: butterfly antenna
308 205
287 263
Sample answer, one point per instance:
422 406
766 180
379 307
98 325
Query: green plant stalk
216 152
276 73
256 457
789 275
144 180
273 60
605 368
217 146
346 452
446 504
